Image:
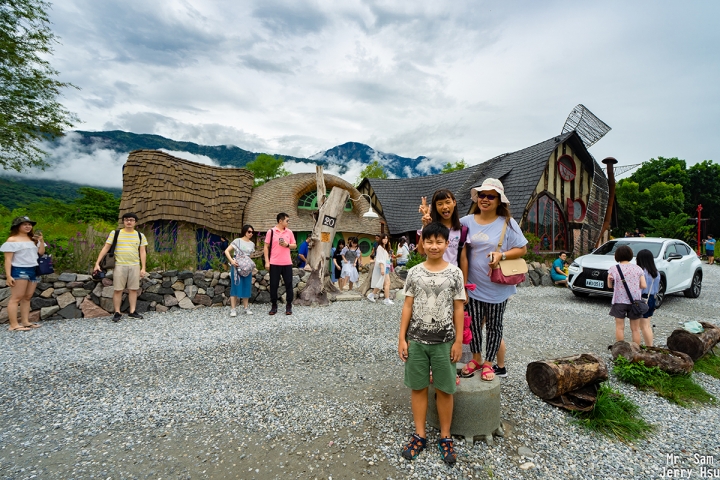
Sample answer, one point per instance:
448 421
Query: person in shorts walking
430 338
130 255
710 249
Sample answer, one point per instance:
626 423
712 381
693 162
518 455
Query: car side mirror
674 256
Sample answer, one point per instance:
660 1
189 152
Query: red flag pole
699 209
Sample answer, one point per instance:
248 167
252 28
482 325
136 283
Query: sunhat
20 220
490 184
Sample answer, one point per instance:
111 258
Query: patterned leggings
492 313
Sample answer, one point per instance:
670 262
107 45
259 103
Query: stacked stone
538 275
71 295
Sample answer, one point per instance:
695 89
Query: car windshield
610 247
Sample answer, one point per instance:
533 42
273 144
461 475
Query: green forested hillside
15 192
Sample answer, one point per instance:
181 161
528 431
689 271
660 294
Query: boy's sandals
486 371
447 451
470 369
414 447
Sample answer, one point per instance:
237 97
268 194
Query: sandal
31 325
470 368
19 328
447 451
414 447
486 369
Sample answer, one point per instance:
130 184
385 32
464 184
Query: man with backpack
129 249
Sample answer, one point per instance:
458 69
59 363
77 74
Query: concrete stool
476 410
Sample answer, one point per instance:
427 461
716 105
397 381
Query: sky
448 80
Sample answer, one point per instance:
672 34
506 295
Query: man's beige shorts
126 276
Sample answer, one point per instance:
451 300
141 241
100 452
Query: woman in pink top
635 280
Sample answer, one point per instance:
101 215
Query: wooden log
694 344
551 378
665 359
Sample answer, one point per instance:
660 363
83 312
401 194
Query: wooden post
694 344
320 241
551 378
669 360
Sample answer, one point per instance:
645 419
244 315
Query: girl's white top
25 254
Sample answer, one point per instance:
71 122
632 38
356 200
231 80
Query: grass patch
614 416
709 364
679 389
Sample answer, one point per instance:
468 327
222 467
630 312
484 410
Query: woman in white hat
488 216
21 258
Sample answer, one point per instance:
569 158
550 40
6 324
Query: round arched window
566 167
365 246
578 210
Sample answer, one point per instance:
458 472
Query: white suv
680 268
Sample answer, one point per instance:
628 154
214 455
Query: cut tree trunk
320 242
549 379
670 361
694 344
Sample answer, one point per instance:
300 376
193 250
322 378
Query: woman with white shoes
242 269
381 271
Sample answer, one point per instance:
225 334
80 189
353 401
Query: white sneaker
233 313
387 301
371 297
248 312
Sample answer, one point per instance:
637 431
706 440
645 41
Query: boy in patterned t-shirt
432 318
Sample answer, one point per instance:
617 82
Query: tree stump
667 360
551 378
694 344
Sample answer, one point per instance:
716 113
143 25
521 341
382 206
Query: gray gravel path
315 395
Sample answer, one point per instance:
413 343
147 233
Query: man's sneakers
273 309
135 315
116 318
371 297
500 371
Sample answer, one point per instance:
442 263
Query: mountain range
232 156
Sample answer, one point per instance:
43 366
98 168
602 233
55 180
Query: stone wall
71 295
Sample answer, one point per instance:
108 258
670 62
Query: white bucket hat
490 184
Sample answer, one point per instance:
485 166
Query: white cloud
203 159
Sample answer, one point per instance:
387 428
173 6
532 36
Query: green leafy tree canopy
372 170
29 89
453 167
266 167
661 169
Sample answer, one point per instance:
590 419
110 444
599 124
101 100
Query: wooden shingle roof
519 171
158 186
282 195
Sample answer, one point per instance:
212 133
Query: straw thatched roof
282 195
158 186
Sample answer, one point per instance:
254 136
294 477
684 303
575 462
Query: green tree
452 167
661 169
372 170
29 89
705 190
674 225
660 200
96 205
266 167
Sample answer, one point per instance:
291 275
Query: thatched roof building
295 195
160 187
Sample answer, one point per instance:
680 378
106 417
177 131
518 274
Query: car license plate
595 283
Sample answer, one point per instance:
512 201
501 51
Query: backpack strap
463 237
627 289
111 252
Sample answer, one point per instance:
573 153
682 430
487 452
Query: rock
82 278
107 292
155 276
5 293
527 466
191 291
90 310
186 304
151 297
166 283
210 292
170 301
184 274
546 280
218 300
47 293
166 291
59 291
34 317
80 292
74 284
67 277
201 291
525 452
53 277
180 295
42 286
47 311
187 281
170 273
161 308
107 282
3 283
71 311
202 300
107 305
153 289
534 277
65 299
38 303
263 297
3 315
224 275
201 282
89 286
526 282
224 282
142 306
178 285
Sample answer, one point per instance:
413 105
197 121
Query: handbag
45 266
508 272
638 308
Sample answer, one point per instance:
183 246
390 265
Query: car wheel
580 294
695 286
660 295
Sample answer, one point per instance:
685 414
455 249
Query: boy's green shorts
421 358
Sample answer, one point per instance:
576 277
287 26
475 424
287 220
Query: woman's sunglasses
485 195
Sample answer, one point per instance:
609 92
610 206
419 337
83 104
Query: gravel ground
316 395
